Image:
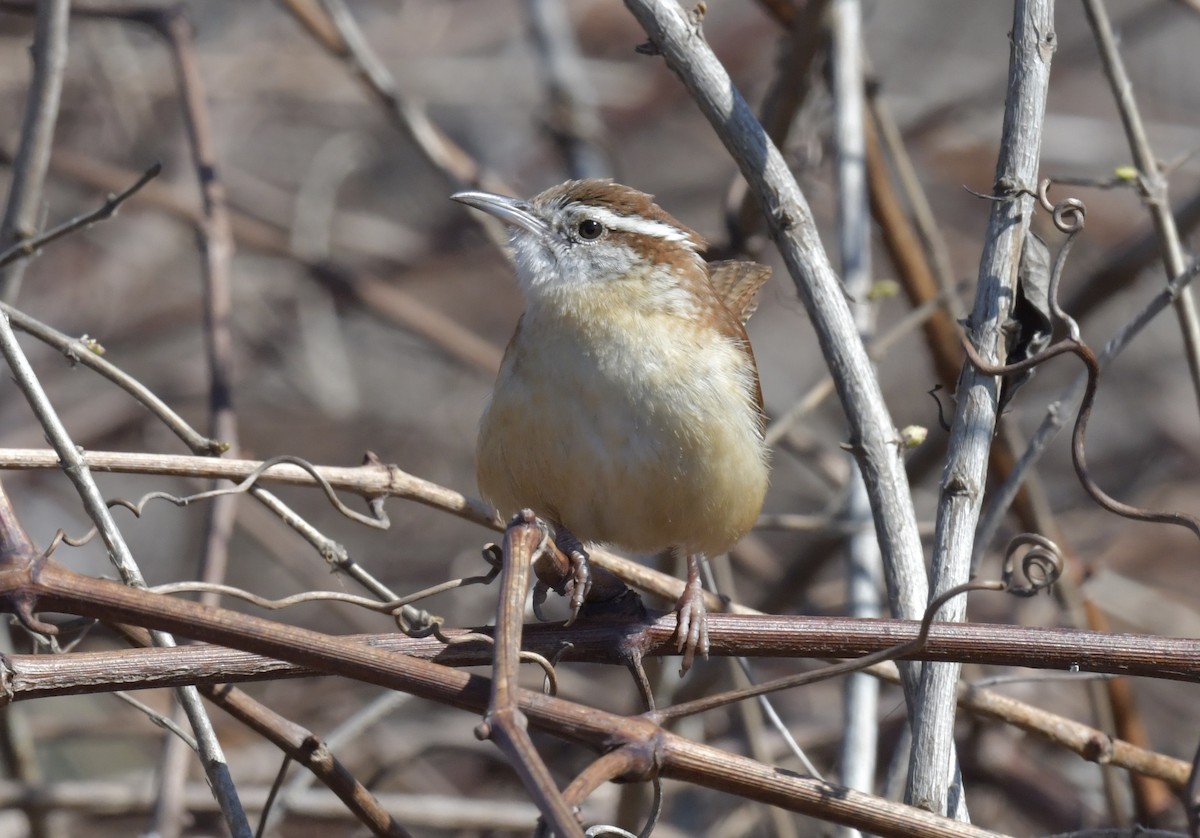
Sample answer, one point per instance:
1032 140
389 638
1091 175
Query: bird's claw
581 582
691 625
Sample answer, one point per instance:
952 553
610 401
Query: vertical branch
215 239
1151 182
216 249
931 777
19 223
37 135
863 560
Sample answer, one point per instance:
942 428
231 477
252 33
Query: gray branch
860 710
931 781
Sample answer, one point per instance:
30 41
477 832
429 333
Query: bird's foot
691 617
581 572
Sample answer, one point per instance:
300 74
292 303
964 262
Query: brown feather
737 284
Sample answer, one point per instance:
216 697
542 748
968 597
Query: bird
628 409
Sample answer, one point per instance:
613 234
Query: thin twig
1151 182
159 719
369 481
24 203
1061 408
20 222
108 209
216 251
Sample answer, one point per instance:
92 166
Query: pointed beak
509 210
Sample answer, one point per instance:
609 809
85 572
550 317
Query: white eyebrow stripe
642 226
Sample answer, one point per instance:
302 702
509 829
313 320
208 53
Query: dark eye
590 229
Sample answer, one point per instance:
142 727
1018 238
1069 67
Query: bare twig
610 642
864 565
369 481
159 719
882 125
107 210
216 250
931 783
37 136
1061 408
1151 181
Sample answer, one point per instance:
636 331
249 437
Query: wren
628 409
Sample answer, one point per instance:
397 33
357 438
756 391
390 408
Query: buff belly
642 434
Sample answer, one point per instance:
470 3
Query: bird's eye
590 229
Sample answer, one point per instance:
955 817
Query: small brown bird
628 409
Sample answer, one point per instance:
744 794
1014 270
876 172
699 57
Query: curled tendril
603 829
418 623
60 536
1068 214
550 683
377 520
1041 564
281 603
550 687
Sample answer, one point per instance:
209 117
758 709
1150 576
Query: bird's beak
509 210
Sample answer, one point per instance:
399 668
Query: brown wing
736 284
730 326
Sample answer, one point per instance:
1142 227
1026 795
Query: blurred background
369 313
